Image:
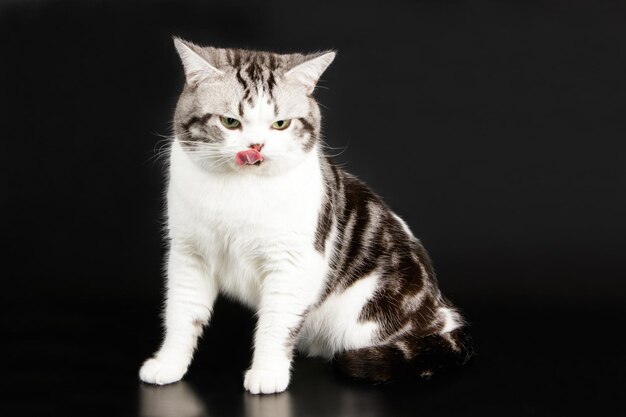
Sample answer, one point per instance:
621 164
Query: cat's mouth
249 157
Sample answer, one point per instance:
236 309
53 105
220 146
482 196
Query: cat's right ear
197 68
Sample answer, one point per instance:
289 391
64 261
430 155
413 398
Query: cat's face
246 111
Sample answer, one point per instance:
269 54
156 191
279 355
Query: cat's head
248 111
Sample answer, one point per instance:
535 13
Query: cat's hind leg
191 292
407 356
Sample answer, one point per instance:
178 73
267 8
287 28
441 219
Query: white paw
265 381
161 372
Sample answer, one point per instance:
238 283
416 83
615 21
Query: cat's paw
161 372
265 381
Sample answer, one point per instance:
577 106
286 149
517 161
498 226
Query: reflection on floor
181 400
170 400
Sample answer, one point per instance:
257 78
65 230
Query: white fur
451 319
252 238
335 326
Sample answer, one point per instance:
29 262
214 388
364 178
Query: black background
496 129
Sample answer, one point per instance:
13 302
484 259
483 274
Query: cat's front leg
285 298
191 292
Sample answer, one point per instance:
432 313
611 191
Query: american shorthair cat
256 212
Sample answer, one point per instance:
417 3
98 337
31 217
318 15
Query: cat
257 212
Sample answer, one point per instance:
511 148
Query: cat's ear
197 67
309 71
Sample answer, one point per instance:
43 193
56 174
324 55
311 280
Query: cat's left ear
310 71
197 66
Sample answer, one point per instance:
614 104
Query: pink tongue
248 157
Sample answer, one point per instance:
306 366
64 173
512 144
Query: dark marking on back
371 240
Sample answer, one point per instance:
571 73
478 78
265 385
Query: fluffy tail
407 357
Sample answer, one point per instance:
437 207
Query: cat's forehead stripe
256 73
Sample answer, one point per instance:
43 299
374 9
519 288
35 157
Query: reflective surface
77 359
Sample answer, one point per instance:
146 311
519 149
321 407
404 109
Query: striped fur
247 76
407 306
330 270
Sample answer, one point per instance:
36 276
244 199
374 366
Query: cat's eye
281 124
229 122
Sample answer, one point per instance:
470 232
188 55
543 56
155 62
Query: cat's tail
407 357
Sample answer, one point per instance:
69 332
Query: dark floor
82 359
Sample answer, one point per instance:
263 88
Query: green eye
281 124
229 122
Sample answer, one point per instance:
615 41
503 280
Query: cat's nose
256 146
